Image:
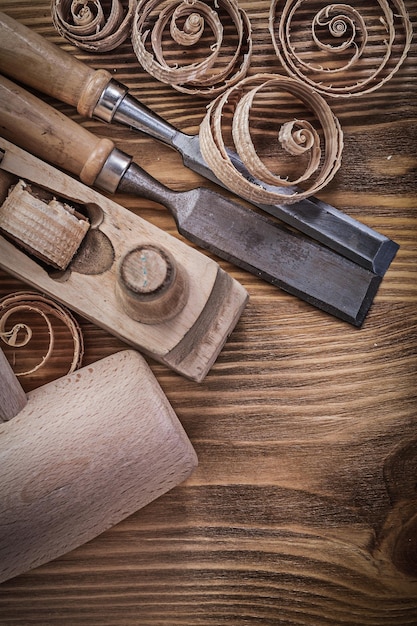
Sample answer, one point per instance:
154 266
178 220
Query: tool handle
47 133
31 59
12 396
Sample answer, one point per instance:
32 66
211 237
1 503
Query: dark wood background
304 507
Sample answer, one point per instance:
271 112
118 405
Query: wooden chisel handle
31 59
42 130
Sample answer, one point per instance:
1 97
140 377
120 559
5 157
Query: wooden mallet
80 454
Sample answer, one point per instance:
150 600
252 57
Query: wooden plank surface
303 510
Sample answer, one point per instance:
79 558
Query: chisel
31 59
233 232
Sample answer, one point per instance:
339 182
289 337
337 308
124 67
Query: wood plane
141 284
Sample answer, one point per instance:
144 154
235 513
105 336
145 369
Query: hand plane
127 276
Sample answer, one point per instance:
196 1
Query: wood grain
303 508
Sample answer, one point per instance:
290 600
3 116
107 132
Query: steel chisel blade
254 242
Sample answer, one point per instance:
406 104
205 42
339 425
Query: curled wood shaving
198 29
344 49
91 24
321 148
23 302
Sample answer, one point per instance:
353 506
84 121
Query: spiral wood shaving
199 28
23 302
296 137
86 24
344 49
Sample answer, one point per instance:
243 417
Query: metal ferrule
113 170
109 100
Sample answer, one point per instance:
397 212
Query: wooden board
303 508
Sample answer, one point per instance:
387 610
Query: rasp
233 232
31 59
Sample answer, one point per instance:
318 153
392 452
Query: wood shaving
320 144
341 50
22 302
86 24
193 29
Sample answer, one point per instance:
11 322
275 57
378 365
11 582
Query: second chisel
251 241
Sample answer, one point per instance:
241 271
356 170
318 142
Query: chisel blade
297 265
